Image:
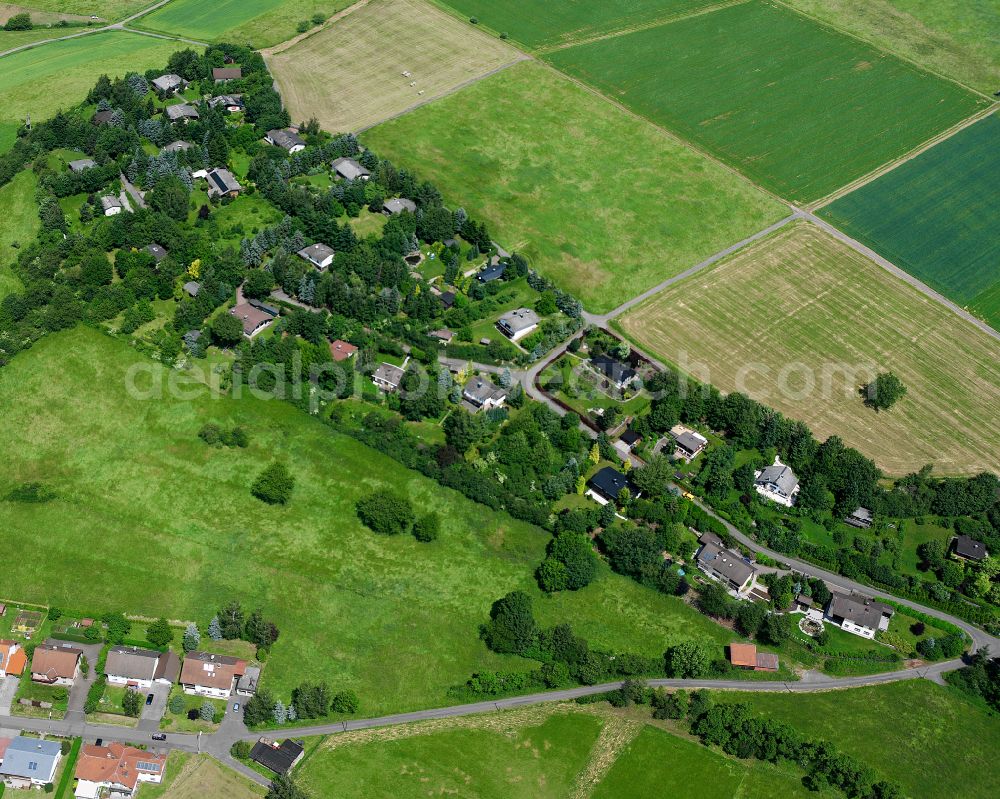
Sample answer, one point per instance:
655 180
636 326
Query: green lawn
604 222
8 135
913 536
18 224
242 218
936 216
927 738
398 620
797 107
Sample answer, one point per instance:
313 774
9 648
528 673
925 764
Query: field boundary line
616 734
880 48
280 47
642 26
889 166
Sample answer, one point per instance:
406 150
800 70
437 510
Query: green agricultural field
848 319
44 79
542 23
956 39
604 222
929 739
936 216
799 108
398 619
18 223
105 9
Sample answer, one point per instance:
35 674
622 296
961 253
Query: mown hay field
604 204
797 107
801 309
351 75
937 216
191 776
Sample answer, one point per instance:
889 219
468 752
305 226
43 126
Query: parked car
159 736
236 707
149 699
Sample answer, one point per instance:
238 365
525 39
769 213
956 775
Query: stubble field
793 308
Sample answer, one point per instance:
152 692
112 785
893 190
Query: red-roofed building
118 768
746 656
341 350
12 659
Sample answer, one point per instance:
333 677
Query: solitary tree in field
883 392
274 485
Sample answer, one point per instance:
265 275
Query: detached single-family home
191 288
494 271
208 674
115 770
279 758
254 315
223 74
397 205
860 517
606 486
30 762
12 659
82 164
176 147
388 377
55 663
443 335
319 255
247 683
231 102
341 350
111 205
516 324
102 118
966 548
777 483
618 374
858 614
140 668
158 252
222 183
483 394
349 169
286 139
182 112
170 83
746 656
688 444
447 299
724 565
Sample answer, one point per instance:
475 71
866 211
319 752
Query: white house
111 205
858 614
319 255
30 762
777 483
208 674
286 139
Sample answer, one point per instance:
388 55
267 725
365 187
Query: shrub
386 512
240 750
427 527
274 485
207 711
176 704
345 702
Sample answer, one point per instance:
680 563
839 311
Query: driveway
151 714
8 687
78 693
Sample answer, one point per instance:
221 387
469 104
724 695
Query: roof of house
168 667
182 111
81 164
158 252
223 180
613 369
226 99
131 663
631 437
248 680
316 253
55 661
117 764
767 661
277 758
108 202
690 441
725 562
743 655
492 272
176 146
210 670
341 350
227 73
443 334
30 758
252 317
349 168
480 390
192 287
399 204
609 482
273 310
389 373
517 320
447 298
168 82
862 514
288 139
4 743
969 547
711 538
861 610
12 659
779 475
102 117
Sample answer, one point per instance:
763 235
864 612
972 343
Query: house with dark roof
606 486
447 299
349 169
81 164
158 252
279 758
966 548
777 483
176 147
388 376
482 394
30 762
223 74
518 323
397 205
688 444
246 685
285 139
222 183
858 614
231 102
618 374
319 255
169 83
725 565
492 272
182 112
860 517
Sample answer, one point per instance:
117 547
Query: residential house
111 205
630 438
858 614
170 83
388 377
349 169
55 663
247 683
777 483
115 770
286 139
182 112
606 486
231 102
860 517
618 374
102 118
140 668
191 288
208 674
724 565
688 444
12 659
341 350
224 74
443 335
516 324
82 164
319 255
222 183
493 271
397 205
176 147
966 548
254 315
279 758
447 299
30 762
158 252
482 394
746 656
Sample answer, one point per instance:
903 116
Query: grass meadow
936 216
191 776
18 224
542 23
797 107
956 39
349 75
788 311
528 151
105 9
148 519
